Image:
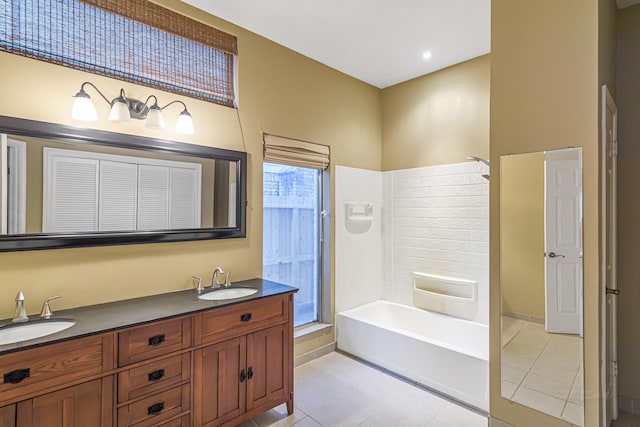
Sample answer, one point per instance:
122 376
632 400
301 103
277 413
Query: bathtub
441 352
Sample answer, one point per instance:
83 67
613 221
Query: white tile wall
432 220
436 220
358 246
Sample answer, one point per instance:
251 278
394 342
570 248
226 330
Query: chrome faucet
46 312
20 314
214 279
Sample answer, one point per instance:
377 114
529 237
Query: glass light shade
83 108
184 124
119 112
155 120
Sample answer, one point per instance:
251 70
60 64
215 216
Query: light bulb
184 124
83 108
119 111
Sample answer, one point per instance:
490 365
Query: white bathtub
444 353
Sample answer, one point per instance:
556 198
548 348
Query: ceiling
380 42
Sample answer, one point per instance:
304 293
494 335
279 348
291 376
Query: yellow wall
280 92
628 201
544 95
522 234
439 118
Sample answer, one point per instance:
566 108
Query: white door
609 358
563 242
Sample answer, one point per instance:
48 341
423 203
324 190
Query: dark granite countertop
95 319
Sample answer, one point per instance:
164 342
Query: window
294 236
292 230
131 40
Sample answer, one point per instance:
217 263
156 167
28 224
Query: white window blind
293 152
183 192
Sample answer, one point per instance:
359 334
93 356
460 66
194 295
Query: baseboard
318 352
526 317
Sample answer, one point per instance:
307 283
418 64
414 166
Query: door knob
554 255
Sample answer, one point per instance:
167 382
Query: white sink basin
228 293
17 332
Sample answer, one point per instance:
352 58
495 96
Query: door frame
608 103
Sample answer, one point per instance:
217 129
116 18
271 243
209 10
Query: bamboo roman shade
131 40
293 152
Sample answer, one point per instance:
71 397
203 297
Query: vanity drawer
222 323
30 371
146 342
155 409
183 421
153 377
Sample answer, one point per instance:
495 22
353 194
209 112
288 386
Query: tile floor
542 370
336 390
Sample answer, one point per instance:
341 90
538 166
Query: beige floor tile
550 386
574 414
278 417
552 368
539 401
512 374
507 389
308 422
510 327
457 416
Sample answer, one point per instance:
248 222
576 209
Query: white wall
437 221
434 220
358 245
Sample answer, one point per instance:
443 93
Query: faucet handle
46 312
199 286
227 281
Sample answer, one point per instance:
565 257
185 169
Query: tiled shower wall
436 220
431 220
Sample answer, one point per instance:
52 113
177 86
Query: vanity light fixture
123 109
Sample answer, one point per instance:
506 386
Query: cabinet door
8 416
219 380
88 404
267 366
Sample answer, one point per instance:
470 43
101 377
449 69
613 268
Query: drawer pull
155 409
156 340
156 375
250 372
14 377
243 376
245 317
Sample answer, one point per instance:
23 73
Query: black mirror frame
25 242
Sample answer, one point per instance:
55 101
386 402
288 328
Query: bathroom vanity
165 360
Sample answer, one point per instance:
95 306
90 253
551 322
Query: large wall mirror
62 186
541 282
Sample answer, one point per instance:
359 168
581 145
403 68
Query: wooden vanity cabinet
214 368
238 378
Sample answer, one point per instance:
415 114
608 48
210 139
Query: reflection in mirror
62 186
71 187
541 282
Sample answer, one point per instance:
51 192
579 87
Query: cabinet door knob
14 377
156 375
243 376
156 340
250 372
155 409
245 317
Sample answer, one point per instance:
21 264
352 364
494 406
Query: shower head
478 159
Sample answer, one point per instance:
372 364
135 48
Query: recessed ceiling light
426 55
